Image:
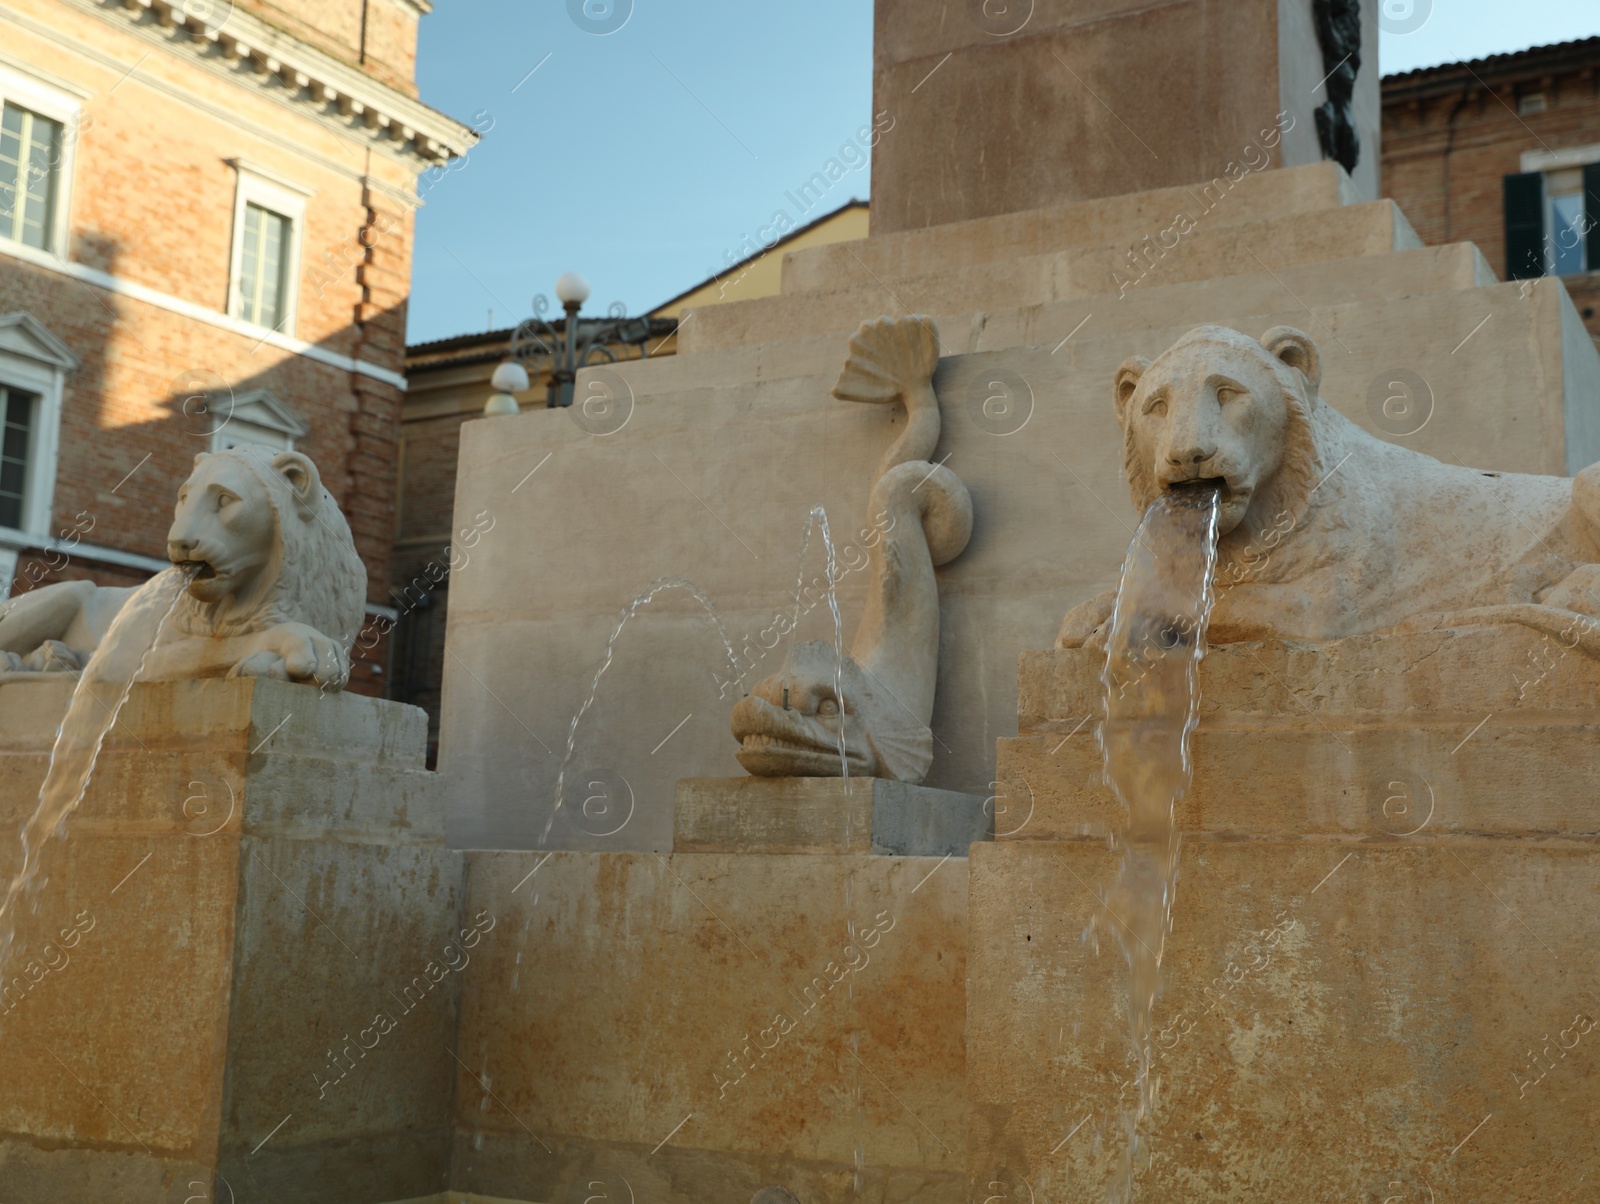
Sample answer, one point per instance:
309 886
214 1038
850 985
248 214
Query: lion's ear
1295 348
302 476
199 457
1128 377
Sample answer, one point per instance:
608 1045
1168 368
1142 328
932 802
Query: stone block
622 1027
825 815
1123 219
1344 240
259 870
1414 996
1471 731
965 84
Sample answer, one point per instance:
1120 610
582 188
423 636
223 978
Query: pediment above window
24 336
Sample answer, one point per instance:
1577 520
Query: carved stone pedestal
1381 979
825 815
257 874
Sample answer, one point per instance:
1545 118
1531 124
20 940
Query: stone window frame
34 360
261 413
257 186
34 94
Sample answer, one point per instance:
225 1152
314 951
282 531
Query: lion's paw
52 656
307 654
1088 624
261 664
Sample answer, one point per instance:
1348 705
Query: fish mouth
777 743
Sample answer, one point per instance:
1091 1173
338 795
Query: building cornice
1451 79
246 49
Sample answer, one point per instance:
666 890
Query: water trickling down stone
1152 654
98 697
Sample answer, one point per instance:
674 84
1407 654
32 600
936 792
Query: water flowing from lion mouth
1157 638
195 570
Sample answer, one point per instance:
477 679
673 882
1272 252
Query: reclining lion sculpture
878 704
277 588
1326 531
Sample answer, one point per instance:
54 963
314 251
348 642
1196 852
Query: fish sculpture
869 717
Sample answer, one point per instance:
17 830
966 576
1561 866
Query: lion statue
276 587
1325 531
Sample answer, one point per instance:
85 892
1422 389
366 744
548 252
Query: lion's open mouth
1199 485
198 570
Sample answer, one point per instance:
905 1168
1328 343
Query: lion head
266 544
1220 409
789 725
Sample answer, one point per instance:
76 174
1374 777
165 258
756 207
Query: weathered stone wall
259 875
1375 931
692 1028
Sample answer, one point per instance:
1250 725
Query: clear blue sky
644 156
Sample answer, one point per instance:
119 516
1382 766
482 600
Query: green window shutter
1591 217
1524 204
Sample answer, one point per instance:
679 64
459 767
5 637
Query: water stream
658 586
817 520
1153 652
97 699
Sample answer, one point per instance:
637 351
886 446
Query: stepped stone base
1030 305
1384 915
257 871
825 815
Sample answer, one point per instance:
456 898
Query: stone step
1450 677
188 716
1240 300
1532 780
824 815
1384 261
1467 731
1122 220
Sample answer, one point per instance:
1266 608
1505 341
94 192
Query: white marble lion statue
277 589
1326 531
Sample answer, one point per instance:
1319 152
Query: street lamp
566 349
509 377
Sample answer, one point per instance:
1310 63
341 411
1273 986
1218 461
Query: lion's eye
1227 393
225 499
1158 407
828 707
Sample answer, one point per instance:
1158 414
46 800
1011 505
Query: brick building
205 240
1505 152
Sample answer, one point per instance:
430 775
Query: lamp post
509 378
566 350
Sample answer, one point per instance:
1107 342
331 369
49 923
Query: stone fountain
260 971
